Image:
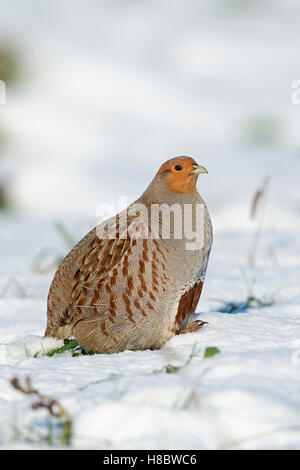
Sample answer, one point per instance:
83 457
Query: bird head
180 174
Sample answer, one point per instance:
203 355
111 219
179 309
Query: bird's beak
199 169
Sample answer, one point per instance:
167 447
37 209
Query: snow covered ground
247 396
106 97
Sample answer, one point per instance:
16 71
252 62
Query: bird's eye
178 167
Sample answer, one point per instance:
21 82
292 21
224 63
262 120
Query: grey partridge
131 283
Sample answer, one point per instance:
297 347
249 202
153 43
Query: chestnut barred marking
125 265
113 279
125 271
103 328
143 283
112 308
127 306
187 304
130 284
145 251
142 266
95 298
85 291
151 296
112 302
140 293
154 273
108 288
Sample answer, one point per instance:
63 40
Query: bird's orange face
181 175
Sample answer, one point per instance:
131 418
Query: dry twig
53 406
257 212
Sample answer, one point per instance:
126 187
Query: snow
247 396
106 97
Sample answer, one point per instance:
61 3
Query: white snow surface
245 397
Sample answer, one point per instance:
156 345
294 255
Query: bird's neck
158 192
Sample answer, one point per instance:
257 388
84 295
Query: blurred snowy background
100 93
103 93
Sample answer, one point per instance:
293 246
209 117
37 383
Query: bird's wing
187 306
88 263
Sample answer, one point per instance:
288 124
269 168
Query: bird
140 287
